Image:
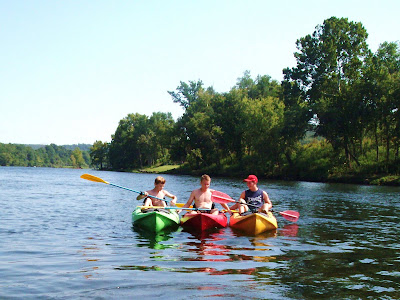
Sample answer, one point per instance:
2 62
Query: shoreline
373 180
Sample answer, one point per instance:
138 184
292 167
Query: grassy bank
159 169
354 178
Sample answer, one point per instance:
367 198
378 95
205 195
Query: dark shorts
253 209
147 210
144 200
205 211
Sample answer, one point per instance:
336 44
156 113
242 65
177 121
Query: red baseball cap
251 178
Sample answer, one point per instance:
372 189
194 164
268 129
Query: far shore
384 180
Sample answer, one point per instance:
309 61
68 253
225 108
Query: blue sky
70 70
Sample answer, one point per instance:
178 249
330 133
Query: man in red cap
257 199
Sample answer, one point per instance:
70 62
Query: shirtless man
158 192
202 198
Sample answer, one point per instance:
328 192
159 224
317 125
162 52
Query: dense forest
44 156
334 117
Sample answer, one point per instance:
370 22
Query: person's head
159 181
205 181
251 180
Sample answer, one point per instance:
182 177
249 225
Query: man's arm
142 195
267 200
189 202
173 197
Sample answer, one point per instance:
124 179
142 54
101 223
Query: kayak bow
203 221
155 220
254 223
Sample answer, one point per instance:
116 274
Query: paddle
221 197
172 207
290 215
98 179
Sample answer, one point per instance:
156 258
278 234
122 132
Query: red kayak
203 221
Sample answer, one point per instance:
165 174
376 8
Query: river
63 237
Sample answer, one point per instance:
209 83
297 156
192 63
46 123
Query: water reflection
217 247
154 240
207 247
264 235
90 252
289 230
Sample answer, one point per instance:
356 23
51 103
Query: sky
71 70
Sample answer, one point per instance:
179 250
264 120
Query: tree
198 131
98 154
328 72
141 141
77 158
296 118
161 125
124 149
261 122
186 94
262 86
381 92
228 108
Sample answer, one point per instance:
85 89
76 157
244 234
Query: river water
62 237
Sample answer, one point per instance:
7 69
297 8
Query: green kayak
155 219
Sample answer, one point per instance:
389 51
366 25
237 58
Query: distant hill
82 147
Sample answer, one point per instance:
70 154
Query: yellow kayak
254 223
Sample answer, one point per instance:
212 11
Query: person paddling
158 192
258 198
202 198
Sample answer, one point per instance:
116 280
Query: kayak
254 223
156 219
203 221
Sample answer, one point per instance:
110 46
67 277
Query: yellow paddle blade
93 178
167 207
182 204
232 210
177 205
155 207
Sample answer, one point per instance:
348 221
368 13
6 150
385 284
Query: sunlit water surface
63 237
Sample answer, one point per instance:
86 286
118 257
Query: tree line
335 113
45 156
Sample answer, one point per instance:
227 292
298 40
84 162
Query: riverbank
352 178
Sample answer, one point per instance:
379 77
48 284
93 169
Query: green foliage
269 129
329 73
141 141
48 156
99 155
186 94
334 116
77 158
314 161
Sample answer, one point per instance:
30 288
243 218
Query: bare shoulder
152 192
196 192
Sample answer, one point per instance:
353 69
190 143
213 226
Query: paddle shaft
142 193
227 200
172 207
221 197
98 179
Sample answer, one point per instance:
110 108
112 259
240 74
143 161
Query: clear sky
71 70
